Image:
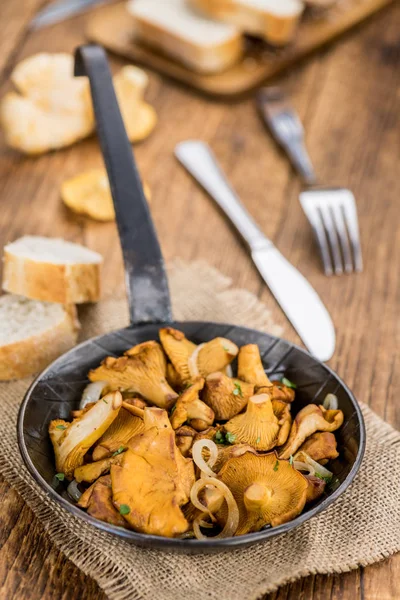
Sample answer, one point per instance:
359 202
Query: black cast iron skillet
58 389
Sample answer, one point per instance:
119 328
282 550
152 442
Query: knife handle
201 163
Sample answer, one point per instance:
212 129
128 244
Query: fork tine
342 234
330 228
314 218
350 212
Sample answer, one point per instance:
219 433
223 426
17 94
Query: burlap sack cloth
362 527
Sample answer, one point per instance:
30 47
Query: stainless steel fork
331 211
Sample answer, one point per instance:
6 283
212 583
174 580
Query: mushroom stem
256 495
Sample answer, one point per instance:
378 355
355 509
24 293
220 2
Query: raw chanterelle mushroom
267 490
250 367
71 441
190 408
258 426
98 501
154 479
321 446
310 419
226 396
142 370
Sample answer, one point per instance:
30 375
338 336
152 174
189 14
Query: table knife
297 298
61 10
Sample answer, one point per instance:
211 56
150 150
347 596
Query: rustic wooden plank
361 71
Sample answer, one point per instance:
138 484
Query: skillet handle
146 279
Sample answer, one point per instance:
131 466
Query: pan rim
164 543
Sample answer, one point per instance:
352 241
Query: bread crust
62 283
199 58
275 29
31 355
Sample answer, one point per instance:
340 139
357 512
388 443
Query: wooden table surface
348 97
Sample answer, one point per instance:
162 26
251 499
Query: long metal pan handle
146 279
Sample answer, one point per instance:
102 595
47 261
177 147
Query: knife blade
295 295
61 10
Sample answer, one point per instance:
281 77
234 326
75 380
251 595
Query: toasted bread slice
273 20
203 45
52 270
33 334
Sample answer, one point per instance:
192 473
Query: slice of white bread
273 20
33 334
203 45
52 269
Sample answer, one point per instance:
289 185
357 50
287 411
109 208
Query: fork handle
199 160
301 161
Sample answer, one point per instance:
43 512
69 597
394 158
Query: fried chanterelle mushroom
184 437
321 446
142 370
118 434
92 471
71 441
310 419
97 500
250 367
226 396
258 426
191 361
154 479
316 487
267 490
282 412
190 408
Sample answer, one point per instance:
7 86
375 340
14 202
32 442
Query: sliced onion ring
92 393
331 402
192 362
318 469
232 520
73 490
302 466
197 454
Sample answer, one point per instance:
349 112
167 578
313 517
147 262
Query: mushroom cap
71 441
118 434
226 396
97 499
142 370
178 349
190 408
250 367
154 479
310 419
282 412
258 426
225 453
321 446
267 490
278 391
316 487
212 356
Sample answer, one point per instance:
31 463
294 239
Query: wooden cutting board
112 27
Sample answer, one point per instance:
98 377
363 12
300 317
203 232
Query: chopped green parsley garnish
225 348
120 449
276 465
60 476
105 401
219 438
238 390
327 479
258 440
230 437
62 427
173 409
288 383
291 460
124 509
